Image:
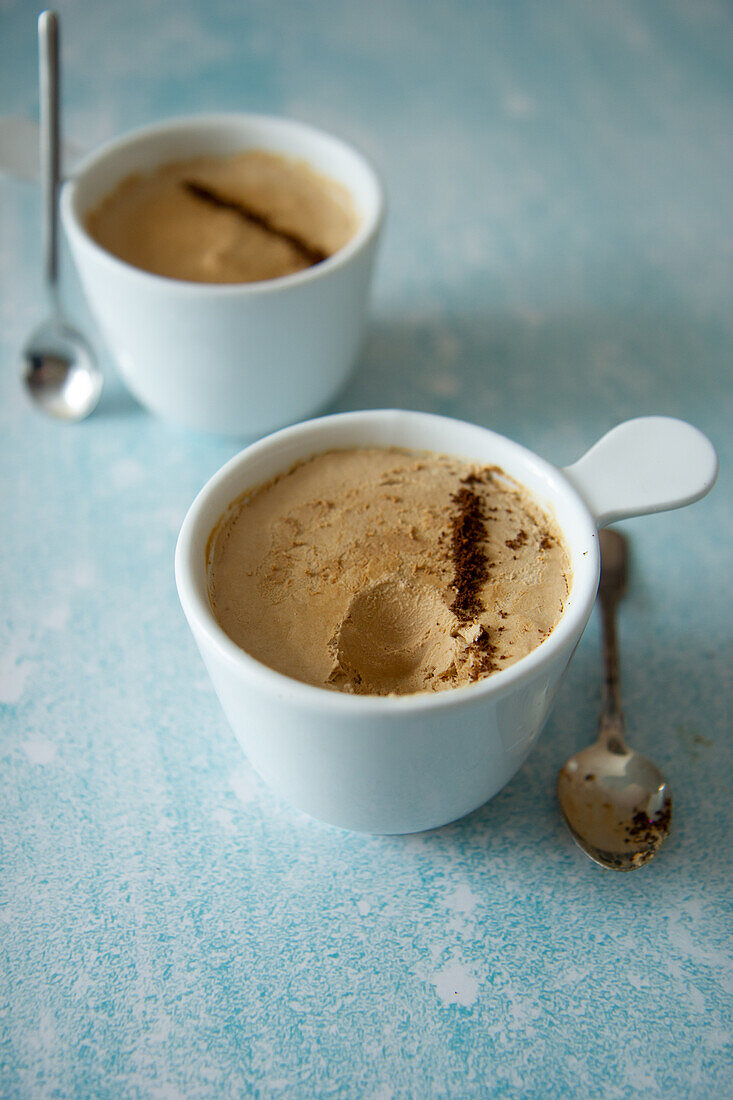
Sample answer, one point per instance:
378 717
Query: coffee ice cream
236 219
382 571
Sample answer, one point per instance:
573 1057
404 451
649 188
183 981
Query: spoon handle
48 60
612 584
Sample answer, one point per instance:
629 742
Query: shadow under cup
236 358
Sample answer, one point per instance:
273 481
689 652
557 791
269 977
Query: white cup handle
646 465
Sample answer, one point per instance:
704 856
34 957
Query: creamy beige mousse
383 571
236 219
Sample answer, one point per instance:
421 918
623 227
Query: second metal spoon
60 371
616 803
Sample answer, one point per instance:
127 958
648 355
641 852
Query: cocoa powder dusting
310 253
471 566
518 542
470 562
485 651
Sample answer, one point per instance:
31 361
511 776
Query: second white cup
235 359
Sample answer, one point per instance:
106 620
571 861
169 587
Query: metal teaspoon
616 803
60 371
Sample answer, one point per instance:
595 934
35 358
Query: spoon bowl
617 806
60 372
615 802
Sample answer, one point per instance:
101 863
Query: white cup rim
74 225
195 531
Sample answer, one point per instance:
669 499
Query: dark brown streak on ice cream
309 252
471 565
470 561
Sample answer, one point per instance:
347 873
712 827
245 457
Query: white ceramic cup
235 359
400 764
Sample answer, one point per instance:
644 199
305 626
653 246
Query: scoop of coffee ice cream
395 636
381 571
236 219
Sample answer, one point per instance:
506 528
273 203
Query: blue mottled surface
558 257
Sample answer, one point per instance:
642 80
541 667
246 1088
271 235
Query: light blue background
558 257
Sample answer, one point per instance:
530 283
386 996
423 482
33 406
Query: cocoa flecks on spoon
309 252
649 830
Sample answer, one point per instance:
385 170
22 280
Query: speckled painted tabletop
558 257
